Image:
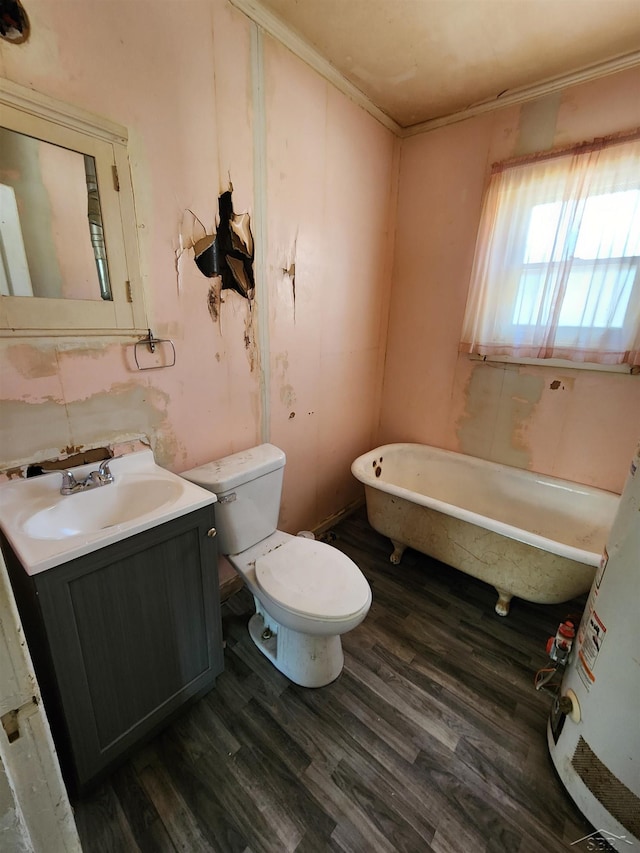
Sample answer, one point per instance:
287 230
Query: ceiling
419 60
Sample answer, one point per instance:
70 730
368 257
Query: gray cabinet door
133 632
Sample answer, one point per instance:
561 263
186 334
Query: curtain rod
576 148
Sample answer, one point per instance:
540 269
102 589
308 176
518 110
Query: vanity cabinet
122 637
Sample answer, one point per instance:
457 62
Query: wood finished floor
433 738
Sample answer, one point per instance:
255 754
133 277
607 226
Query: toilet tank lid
227 473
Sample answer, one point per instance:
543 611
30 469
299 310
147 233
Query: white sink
46 528
122 501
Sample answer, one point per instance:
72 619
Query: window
557 266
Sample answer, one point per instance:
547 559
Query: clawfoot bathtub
532 536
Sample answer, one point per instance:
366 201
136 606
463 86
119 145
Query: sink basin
46 528
122 501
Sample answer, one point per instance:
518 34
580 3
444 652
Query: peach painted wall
328 326
576 424
156 74
178 76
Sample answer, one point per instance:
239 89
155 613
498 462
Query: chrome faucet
101 477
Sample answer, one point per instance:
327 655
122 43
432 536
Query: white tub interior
545 511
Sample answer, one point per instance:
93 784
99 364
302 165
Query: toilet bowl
307 593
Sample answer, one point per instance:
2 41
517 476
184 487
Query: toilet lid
312 579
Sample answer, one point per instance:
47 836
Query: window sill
558 362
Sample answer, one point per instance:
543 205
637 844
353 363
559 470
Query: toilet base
306 660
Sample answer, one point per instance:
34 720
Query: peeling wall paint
31 432
579 425
86 391
499 406
200 127
31 362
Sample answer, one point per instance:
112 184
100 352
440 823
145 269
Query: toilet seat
311 578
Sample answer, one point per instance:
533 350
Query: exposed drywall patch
521 394
33 432
499 403
481 396
192 234
167 450
33 362
537 125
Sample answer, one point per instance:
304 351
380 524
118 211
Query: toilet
307 593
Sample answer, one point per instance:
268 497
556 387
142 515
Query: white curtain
557 266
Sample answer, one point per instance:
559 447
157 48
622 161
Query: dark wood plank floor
433 738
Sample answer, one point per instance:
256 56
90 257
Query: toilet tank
248 486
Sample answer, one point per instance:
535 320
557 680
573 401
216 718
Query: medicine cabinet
68 241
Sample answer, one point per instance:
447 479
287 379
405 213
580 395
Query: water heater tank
595 747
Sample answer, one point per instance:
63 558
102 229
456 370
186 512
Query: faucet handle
103 468
69 482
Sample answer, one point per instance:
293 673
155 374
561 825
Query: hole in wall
11 725
234 243
14 22
228 253
72 458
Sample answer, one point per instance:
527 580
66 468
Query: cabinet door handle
211 533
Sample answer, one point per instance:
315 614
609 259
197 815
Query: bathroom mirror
68 242
51 229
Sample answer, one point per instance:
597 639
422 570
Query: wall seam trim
260 225
282 33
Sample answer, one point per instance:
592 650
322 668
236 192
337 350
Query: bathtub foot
398 551
503 602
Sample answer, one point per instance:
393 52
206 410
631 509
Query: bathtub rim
362 472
